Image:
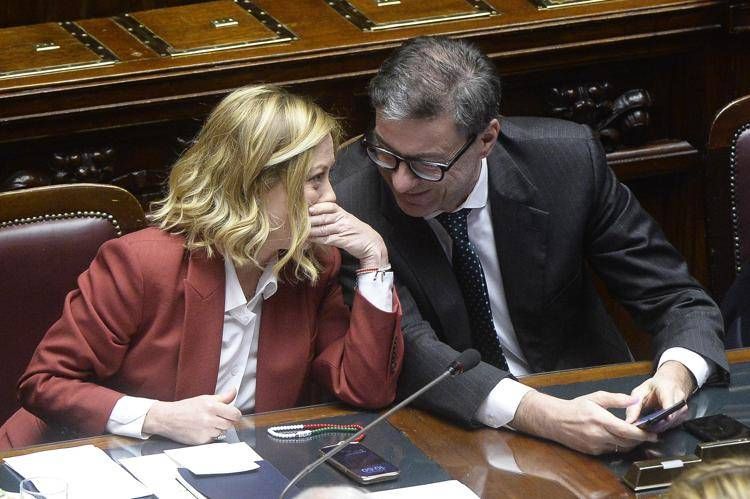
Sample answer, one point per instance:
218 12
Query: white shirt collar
234 296
477 198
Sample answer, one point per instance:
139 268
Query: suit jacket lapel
520 230
520 237
200 349
417 245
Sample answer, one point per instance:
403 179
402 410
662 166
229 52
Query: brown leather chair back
48 236
728 194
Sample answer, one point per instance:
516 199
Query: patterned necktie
470 277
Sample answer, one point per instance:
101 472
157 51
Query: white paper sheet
451 489
90 473
216 459
159 473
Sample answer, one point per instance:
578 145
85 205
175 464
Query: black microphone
466 361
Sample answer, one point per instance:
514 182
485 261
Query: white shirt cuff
696 364
128 415
377 288
499 408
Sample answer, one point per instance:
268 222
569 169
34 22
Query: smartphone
649 420
361 464
716 427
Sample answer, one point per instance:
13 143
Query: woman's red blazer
147 319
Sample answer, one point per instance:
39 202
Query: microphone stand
453 370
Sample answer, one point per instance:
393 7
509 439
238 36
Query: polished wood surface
610 371
726 121
18 42
190 26
19 12
411 9
475 457
549 470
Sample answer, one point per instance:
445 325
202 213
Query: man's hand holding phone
651 420
667 391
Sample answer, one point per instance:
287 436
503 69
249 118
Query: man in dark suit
494 225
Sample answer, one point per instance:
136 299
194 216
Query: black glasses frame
442 167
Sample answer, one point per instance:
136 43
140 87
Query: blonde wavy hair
727 478
256 137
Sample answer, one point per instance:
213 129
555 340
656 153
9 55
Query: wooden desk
483 458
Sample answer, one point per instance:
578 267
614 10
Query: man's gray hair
430 76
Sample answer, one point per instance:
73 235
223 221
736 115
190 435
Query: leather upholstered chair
728 205
48 236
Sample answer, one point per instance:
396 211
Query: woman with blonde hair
727 478
230 303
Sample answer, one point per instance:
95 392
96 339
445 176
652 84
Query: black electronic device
649 420
717 427
361 464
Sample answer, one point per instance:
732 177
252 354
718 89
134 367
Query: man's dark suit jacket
558 213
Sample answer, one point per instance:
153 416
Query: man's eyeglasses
434 171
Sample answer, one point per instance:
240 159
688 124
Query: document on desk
265 482
450 489
159 471
216 459
88 470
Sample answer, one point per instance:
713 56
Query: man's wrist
680 374
531 415
501 404
700 367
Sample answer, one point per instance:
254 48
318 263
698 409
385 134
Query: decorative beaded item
296 431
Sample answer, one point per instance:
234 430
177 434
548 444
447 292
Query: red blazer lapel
284 349
200 348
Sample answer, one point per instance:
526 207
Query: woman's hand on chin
333 226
